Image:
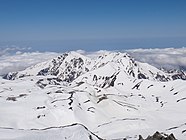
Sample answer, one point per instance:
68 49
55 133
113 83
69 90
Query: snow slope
71 132
111 96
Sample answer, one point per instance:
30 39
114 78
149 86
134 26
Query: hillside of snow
110 96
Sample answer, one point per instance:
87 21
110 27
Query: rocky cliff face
175 74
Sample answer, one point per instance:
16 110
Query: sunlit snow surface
89 109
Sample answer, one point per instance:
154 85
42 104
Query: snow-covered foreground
75 131
108 101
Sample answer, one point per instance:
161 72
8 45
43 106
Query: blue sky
99 24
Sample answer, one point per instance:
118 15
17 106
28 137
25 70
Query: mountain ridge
71 65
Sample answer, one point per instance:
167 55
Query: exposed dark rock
91 109
150 86
14 98
86 101
39 116
140 137
131 72
11 99
22 95
80 83
158 136
179 76
42 83
141 76
162 78
137 85
181 99
112 82
175 93
175 73
40 107
59 91
102 98
43 71
95 78
183 131
10 76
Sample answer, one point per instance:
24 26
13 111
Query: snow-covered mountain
110 96
69 66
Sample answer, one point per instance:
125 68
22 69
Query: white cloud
12 49
168 58
19 60
81 52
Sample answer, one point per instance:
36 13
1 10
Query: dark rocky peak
67 67
10 76
175 73
158 136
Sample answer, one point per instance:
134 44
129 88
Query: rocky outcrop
158 136
175 73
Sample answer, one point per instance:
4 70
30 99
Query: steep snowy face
70 66
124 62
111 69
